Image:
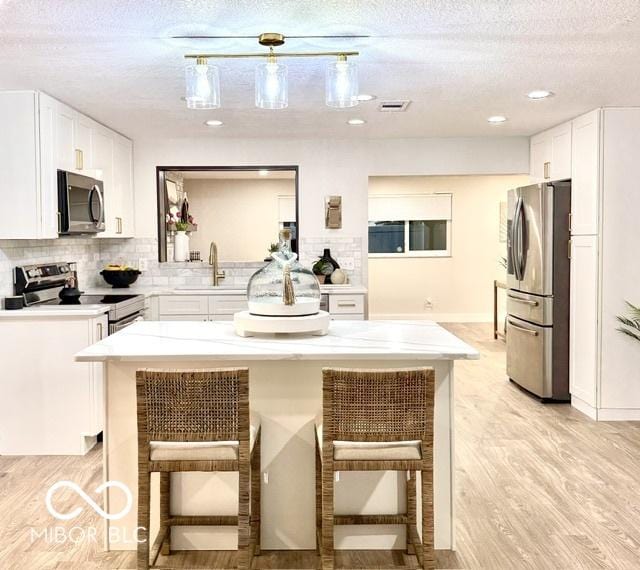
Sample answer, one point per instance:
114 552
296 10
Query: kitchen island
286 389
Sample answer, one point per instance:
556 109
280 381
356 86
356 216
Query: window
420 226
409 238
386 237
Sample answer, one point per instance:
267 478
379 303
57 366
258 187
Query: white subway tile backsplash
91 254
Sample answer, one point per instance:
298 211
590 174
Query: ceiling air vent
394 106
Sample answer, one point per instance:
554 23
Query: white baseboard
606 414
618 415
438 317
585 408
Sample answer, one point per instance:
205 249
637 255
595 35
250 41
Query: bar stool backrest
193 405
378 405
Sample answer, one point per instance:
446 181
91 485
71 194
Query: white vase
181 246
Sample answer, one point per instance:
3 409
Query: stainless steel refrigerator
538 235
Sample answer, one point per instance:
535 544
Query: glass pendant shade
203 85
341 87
272 91
284 288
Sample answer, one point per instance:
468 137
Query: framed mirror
240 209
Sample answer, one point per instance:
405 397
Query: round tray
249 325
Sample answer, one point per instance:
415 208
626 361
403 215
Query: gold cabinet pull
547 170
79 159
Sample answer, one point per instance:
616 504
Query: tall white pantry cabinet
42 135
605 262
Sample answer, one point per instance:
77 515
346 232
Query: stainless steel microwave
80 204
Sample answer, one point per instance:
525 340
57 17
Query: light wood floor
538 487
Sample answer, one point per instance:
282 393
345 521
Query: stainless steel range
41 284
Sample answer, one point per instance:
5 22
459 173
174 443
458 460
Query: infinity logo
73 514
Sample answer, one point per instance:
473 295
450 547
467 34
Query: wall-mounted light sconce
333 212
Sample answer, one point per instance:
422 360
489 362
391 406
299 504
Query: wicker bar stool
197 420
376 420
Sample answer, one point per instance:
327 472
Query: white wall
460 287
241 215
327 166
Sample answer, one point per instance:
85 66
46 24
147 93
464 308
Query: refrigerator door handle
524 301
514 241
522 329
520 240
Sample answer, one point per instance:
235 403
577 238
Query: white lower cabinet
49 404
223 307
583 321
179 305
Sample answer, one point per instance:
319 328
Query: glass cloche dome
283 288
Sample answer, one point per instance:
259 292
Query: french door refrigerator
538 241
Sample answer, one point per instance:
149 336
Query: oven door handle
124 323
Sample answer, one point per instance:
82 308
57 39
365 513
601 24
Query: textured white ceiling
459 61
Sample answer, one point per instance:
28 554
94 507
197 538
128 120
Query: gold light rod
271 54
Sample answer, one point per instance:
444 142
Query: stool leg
244 522
144 519
428 555
256 472
318 498
411 511
327 513
165 512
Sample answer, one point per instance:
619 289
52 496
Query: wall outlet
428 304
143 264
265 477
347 264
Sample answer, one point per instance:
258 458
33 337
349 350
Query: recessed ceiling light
263 172
356 122
213 123
539 94
497 119
365 97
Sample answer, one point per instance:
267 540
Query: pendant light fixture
272 90
203 85
341 86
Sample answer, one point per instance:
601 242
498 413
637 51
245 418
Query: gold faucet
213 260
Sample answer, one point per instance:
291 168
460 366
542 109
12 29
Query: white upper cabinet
102 163
64 135
540 157
43 135
122 189
550 154
585 174
561 152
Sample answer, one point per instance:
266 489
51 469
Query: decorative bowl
120 278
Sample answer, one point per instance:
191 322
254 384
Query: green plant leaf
632 334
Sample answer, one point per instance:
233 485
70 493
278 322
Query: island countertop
347 340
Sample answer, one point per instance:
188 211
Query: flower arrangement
176 223
631 325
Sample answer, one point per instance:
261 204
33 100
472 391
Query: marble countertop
347 340
152 291
47 311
